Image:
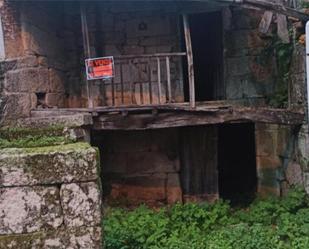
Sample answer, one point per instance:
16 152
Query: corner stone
81 204
18 167
29 209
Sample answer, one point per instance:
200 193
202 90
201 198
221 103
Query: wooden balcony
149 79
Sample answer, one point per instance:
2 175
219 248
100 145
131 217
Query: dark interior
207 39
237 163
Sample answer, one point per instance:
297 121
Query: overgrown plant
271 223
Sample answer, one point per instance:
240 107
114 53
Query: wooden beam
87 51
187 118
269 5
190 60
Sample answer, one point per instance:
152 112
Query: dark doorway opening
237 163
207 44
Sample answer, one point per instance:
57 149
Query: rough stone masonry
50 197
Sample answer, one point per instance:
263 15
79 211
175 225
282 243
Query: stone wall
34 72
50 197
282 158
250 67
48 36
140 167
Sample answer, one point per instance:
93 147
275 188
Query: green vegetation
33 141
48 148
271 223
29 138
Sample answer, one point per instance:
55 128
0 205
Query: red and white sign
100 68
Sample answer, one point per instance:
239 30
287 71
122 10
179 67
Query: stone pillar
50 197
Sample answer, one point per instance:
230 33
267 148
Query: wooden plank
159 80
136 56
149 82
87 52
121 84
132 85
190 60
168 76
278 8
187 118
198 157
265 22
113 91
282 29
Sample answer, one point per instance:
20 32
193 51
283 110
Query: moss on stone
16 137
12 133
48 149
34 141
23 241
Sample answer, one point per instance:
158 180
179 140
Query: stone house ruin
200 105
207 100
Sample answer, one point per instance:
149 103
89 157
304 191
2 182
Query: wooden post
149 81
159 80
190 60
121 84
168 75
87 52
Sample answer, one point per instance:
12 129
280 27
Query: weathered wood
113 92
282 29
149 82
136 56
121 83
190 60
198 157
265 22
187 118
87 52
168 75
159 80
278 8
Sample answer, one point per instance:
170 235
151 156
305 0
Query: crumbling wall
50 197
33 72
250 69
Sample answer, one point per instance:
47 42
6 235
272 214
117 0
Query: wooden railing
148 79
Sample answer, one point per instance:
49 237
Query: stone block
54 165
150 162
148 26
148 189
27 80
29 209
115 162
237 66
269 181
294 174
306 181
57 80
246 19
55 99
76 238
266 142
268 162
18 63
68 120
173 189
81 204
133 49
17 105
